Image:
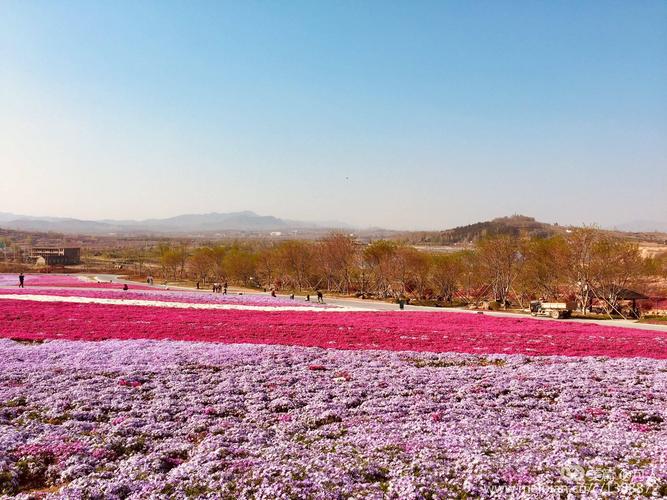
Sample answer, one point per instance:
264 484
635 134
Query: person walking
320 297
21 280
224 291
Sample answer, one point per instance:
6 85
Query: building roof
627 294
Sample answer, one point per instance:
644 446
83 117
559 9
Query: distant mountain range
250 222
245 221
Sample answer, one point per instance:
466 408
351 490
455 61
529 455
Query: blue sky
396 114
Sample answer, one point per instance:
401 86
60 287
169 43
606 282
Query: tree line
583 265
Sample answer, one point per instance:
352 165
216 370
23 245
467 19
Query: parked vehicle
555 310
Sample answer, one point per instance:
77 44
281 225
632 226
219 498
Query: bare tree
170 261
182 252
580 267
545 268
337 257
240 264
267 265
218 254
616 265
447 272
411 271
500 261
379 257
201 263
295 260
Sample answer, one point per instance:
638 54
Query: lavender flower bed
62 280
135 419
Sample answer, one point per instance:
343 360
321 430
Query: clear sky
402 114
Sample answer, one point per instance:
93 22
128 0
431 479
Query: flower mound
142 419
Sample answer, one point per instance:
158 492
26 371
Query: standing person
197 285
320 297
273 293
308 298
21 280
224 289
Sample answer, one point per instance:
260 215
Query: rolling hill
182 224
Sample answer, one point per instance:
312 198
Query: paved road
373 305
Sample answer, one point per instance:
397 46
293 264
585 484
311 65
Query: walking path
176 305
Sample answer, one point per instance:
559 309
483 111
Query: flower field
398 331
162 400
144 418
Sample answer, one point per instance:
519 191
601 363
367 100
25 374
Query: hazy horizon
404 116
640 225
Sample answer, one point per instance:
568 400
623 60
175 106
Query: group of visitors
320 296
217 288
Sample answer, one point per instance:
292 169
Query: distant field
439 248
651 249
